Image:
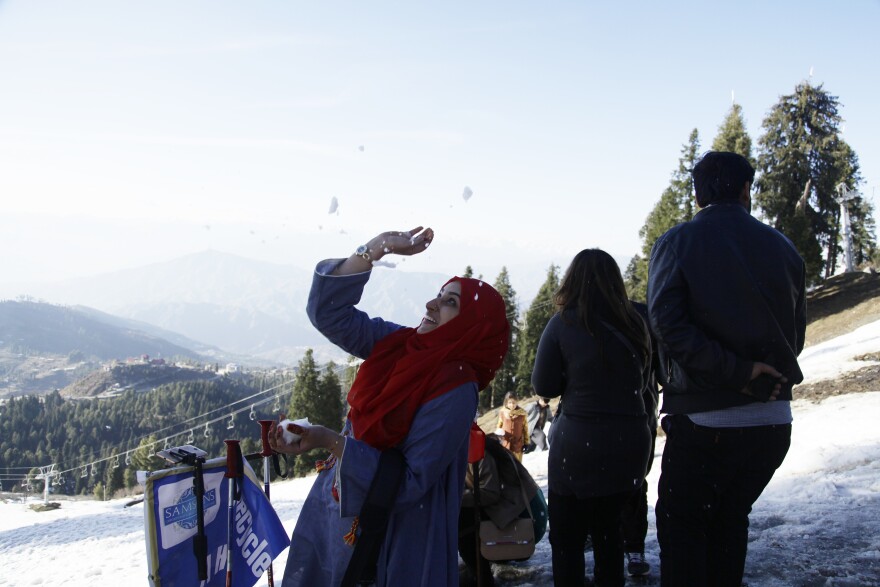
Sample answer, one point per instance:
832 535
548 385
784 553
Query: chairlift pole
845 196
46 475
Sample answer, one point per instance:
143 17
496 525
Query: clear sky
136 132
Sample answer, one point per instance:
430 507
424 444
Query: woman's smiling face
441 309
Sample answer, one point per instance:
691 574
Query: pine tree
535 320
506 375
468 272
732 135
329 411
318 398
352 365
802 160
676 205
113 477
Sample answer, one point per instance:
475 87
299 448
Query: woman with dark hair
414 396
595 355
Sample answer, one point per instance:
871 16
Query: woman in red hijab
415 392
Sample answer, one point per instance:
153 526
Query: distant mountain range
45 346
32 328
211 300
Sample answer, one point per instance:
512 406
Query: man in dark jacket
726 299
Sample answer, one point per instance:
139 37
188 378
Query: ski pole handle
233 472
264 434
233 459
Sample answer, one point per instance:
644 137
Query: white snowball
290 437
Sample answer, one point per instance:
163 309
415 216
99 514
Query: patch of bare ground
840 305
864 379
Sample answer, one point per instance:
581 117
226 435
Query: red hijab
407 369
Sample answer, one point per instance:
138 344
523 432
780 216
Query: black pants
709 479
634 516
571 521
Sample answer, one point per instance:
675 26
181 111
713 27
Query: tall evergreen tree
304 403
535 320
468 272
505 377
113 477
329 411
802 160
676 205
732 135
352 365
143 458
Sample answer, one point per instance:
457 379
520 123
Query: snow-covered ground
817 523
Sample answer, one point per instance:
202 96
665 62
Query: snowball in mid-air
467 193
334 204
383 263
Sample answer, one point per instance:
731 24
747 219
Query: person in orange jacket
514 426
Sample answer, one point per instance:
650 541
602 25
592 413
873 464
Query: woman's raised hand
410 242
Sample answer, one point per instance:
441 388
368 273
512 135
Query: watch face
361 250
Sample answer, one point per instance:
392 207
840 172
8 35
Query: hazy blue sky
135 132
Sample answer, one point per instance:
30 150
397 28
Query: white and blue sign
170 519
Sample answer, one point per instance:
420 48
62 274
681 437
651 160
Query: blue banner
170 522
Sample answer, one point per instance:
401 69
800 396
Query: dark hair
721 175
593 289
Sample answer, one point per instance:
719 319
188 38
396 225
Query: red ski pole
233 474
267 456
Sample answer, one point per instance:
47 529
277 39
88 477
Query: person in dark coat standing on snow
595 355
537 415
726 300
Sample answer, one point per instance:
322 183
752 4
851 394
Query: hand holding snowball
298 436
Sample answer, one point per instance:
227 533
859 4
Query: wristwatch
363 251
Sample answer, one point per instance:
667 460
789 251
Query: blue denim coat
421 545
